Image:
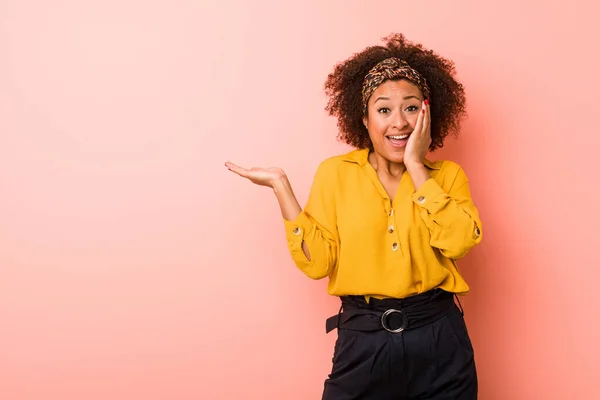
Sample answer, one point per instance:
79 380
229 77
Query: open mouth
398 140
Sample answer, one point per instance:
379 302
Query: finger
238 170
419 124
229 164
427 119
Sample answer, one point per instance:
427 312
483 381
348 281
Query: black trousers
434 361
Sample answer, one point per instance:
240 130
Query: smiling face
392 112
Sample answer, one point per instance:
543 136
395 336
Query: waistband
392 315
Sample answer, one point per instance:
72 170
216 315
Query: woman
387 226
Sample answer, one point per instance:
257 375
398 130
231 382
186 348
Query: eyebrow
387 98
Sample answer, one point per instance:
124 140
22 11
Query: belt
392 315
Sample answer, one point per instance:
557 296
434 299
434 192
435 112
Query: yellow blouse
368 245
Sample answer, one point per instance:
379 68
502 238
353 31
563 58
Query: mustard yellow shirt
368 245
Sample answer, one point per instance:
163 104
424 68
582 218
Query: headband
391 68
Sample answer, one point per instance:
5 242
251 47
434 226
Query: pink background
133 265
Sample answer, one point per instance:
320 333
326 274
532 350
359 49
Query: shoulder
444 166
334 163
336 167
447 171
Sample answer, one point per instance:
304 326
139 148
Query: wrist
419 174
413 165
280 183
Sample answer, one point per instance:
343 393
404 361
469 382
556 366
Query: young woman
386 226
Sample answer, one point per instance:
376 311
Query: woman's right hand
259 176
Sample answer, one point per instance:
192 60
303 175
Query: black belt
392 315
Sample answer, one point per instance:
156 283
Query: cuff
296 229
430 196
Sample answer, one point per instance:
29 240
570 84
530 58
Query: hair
344 87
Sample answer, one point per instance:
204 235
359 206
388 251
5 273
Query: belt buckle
384 320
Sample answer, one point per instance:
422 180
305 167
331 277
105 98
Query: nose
399 121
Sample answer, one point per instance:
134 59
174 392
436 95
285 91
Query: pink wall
133 265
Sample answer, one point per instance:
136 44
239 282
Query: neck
386 167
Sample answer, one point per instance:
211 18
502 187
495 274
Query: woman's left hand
420 139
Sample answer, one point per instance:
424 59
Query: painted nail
423 111
426 102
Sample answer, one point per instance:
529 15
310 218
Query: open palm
257 175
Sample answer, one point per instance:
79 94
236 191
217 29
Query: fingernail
426 102
423 111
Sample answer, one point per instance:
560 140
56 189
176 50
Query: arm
309 232
452 218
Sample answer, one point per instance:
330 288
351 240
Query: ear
365 121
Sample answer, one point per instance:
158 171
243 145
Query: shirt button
296 231
391 229
395 246
477 232
421 200
391 212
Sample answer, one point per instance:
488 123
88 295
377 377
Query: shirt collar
361 157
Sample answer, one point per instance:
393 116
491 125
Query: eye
412 108
383 110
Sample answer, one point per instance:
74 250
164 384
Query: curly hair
344 85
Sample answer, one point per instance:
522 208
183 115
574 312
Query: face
392 113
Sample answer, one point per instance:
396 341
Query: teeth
398 137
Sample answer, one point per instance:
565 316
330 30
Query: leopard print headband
391 68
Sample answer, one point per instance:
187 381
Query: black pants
434 361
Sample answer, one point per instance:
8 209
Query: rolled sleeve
315 226
452 218
295 230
